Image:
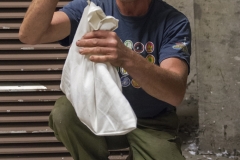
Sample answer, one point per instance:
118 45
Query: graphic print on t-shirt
138 47
181 46
123 71
129 44
150 58
135 84
149 47
125 81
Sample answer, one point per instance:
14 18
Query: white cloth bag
94 89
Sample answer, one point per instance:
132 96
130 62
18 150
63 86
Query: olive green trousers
154 139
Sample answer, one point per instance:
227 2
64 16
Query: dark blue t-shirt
162 33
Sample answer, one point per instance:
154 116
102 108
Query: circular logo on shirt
129 44
135 84
138 47
150 58
149 47
123 71
125 81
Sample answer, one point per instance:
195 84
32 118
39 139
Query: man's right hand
42 24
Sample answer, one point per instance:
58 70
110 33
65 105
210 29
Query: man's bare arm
166 82
42 24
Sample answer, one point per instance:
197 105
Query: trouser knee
62 114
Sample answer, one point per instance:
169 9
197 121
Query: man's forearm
160 83
37 20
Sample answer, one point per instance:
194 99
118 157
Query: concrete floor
191 150
188 156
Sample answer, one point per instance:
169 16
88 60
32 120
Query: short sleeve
74 10
176 39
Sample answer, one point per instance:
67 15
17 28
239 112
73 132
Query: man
151 47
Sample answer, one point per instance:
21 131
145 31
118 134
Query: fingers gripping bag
94 89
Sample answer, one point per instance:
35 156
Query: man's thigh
156 138
148 144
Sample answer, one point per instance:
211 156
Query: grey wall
213 95
218 67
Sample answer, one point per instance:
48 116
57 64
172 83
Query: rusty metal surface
24 128
8 35
29 96
33 55
29 86
27 138
10 15
25 107
21 149
28 67
30 76
27 47
39 158
24 4
118 157
7 26
13 118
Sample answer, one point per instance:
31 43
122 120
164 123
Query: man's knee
62 113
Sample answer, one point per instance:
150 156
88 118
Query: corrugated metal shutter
29 86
